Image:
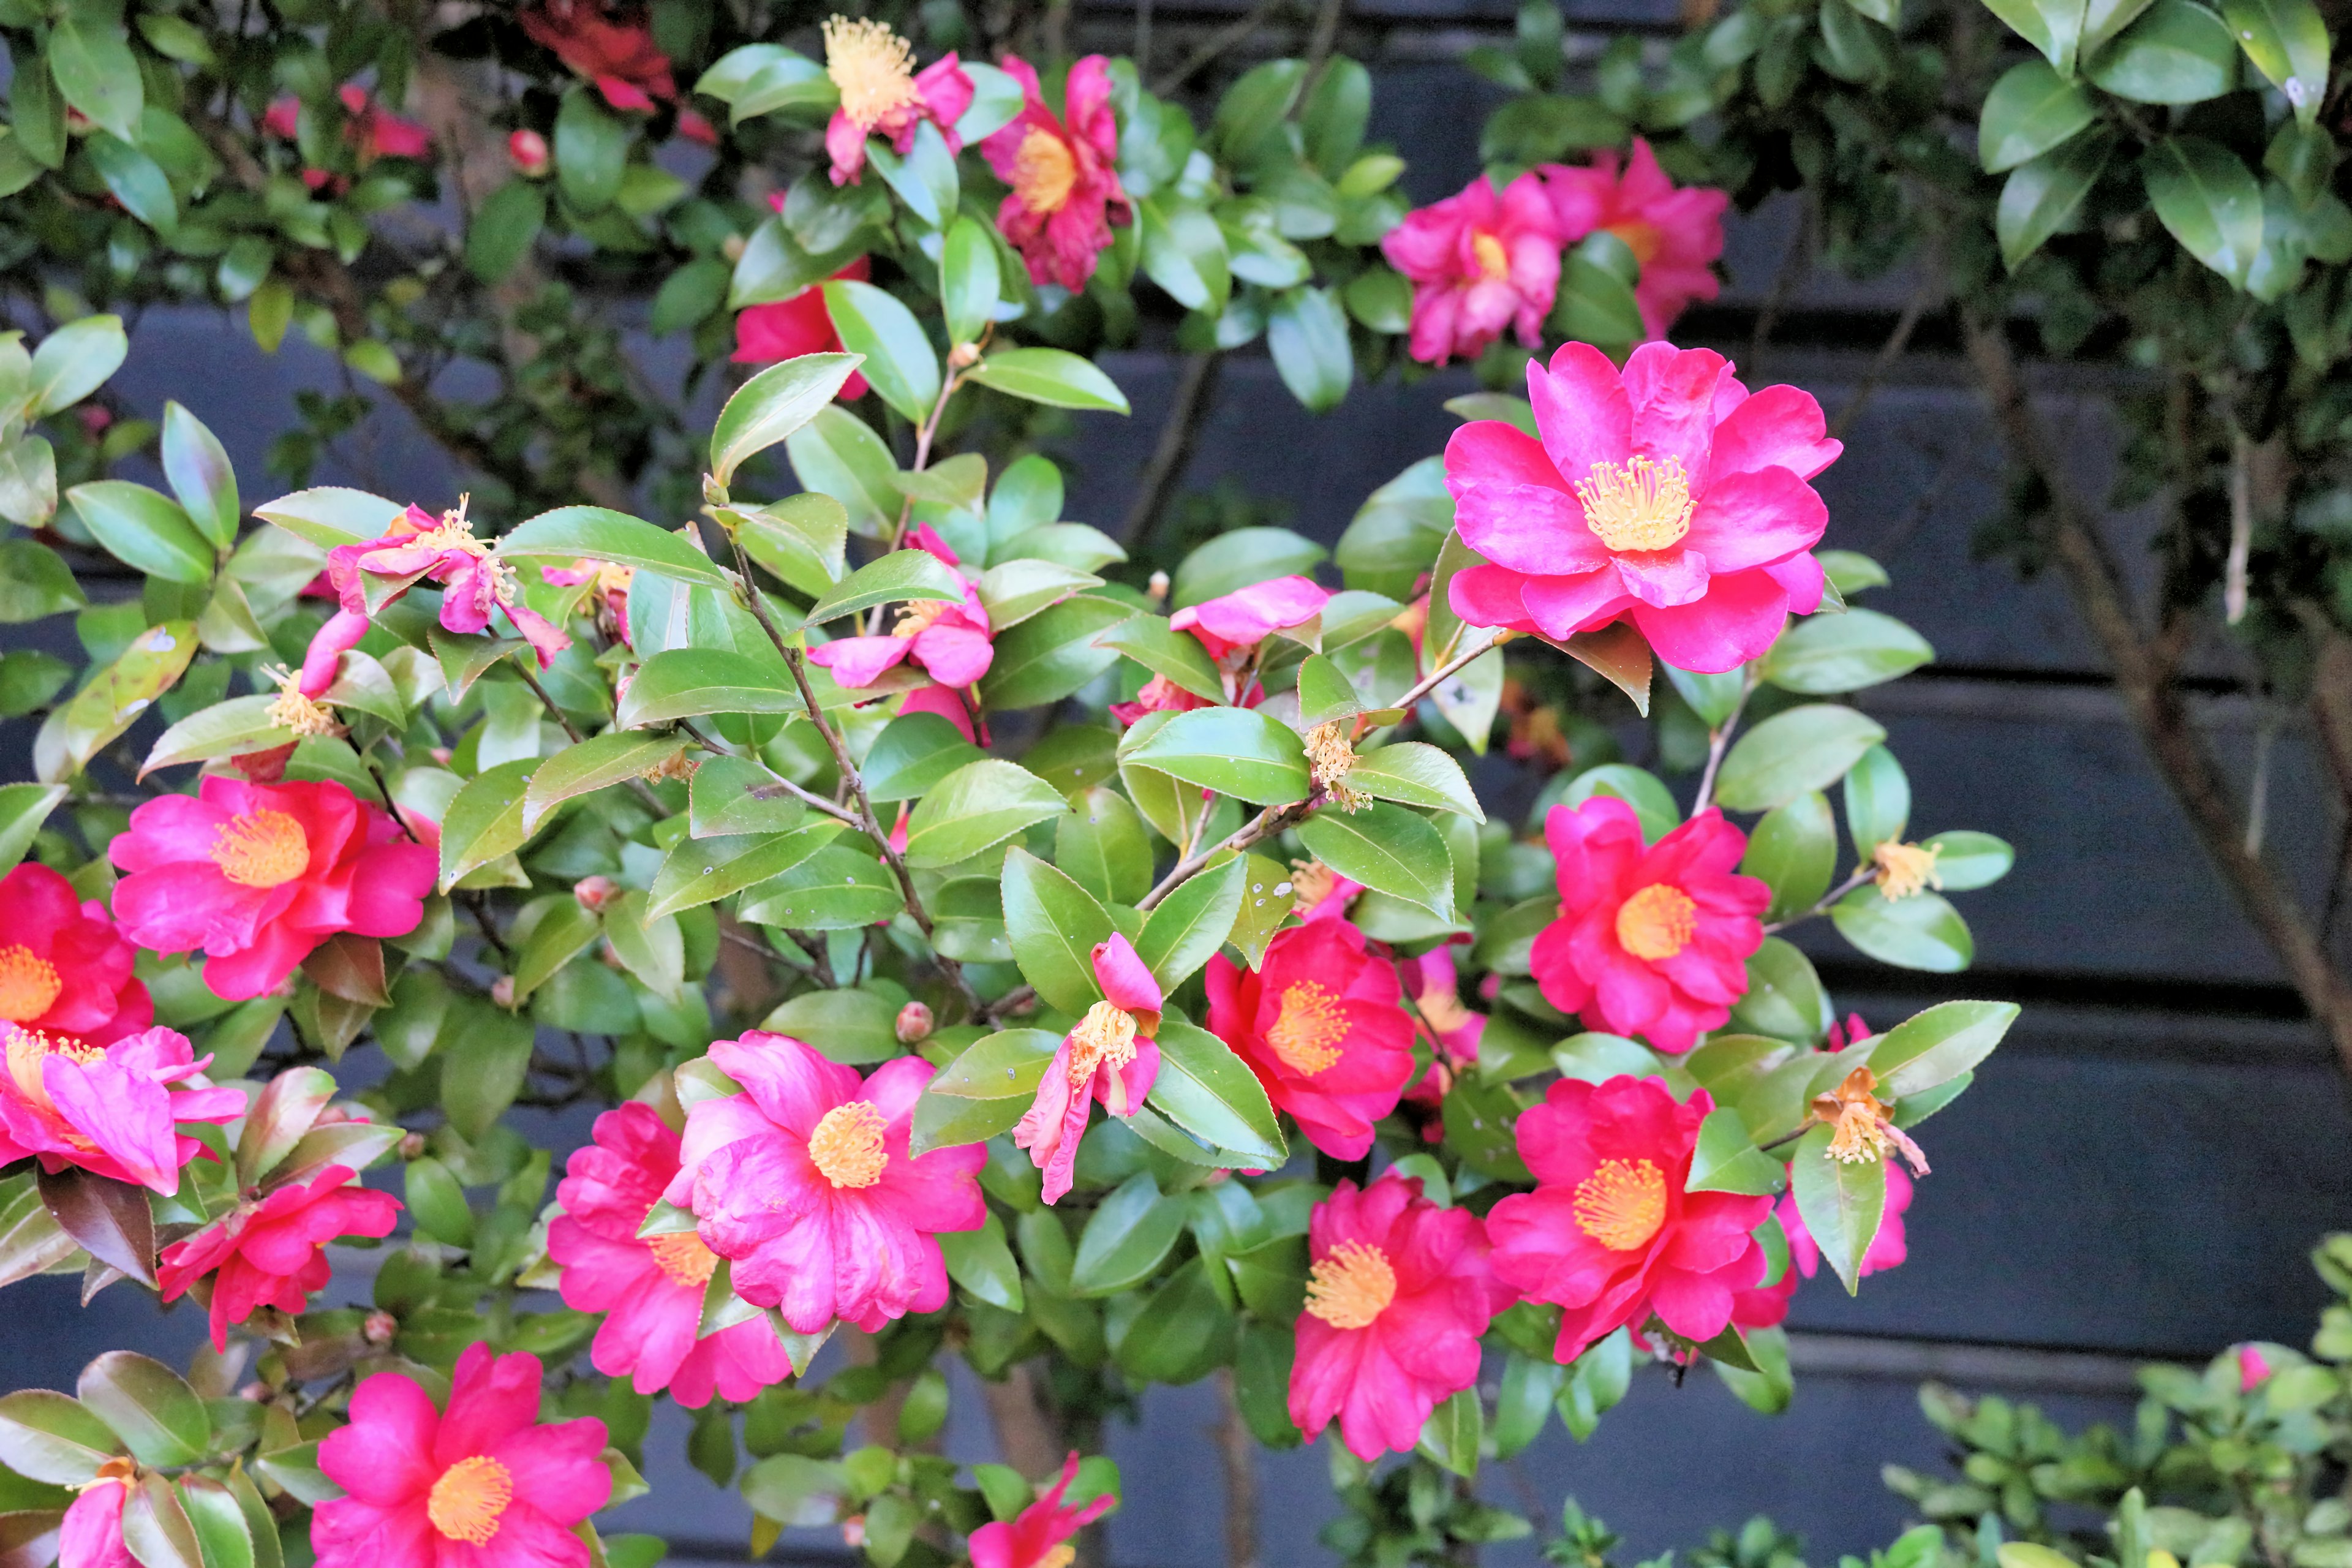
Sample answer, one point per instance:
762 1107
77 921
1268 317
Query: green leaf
33 583
776 405
198 471
1922 931
1727 1161
1264 908
1126 1238
135 180
571 532
1102 846
687 682
899 361
592 150
155 1527
151 1407
480 1081
1209 1092
1054 926
1052 653
1307 334
1804 748
2053 26
1877 801
1013 591
593 764
560 936
331 515
23 808
1233 751
144 529
902 574
220 1524
981 1262
92 62
969 283
1963 860
28 479
1643 790
1451 1436
1416 773
504 227
979 804
485 820
1389 849
1840 1202
47 1437
840 888
1934 1048
1184 253
1179 656
31 1242
925 178
701 871
1007 1065
1784 998
1052 376
852 1026
1191 923
1824 655
2205 196
802 539
2288 43
2041 197
151 666
1793 851
2030 109
2178 52
912 755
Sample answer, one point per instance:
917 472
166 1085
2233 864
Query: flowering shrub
849 835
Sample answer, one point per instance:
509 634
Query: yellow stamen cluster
847 1146
1905 869
1637 505
873 67
292 710
455 533
1623 1204
1043 171
261 848
467 1502
1309 1028
1105 1038
684 1259
1351 1285
29 1049
1862 1125
1656 922
1330 760
680 766
29 985
1311 882
915 617
1494 261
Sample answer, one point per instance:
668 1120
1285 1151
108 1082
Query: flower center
1640 237
1350 1285
1623 1204
1330 760
1105 1038
1637 505
1443 1009
466 1502
684 1259
455 533
1307 1031
1906 869
1043 173
1656 922
27 1048
29 984
847 1144
261 848
916 616
1060 1556
873 67
1494 261
293 710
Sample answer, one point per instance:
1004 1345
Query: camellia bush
853 916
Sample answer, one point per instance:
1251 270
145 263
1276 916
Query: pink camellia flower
1609 1234
882 93
527 150
695 128
2254 1366
378 132
1887 1249
950 642
1763 1306
1160 695
1319 1023
91 1533
788 329
482 1485
609 46
1237 622
273 1253
1667 493
1065 192
1033 1537
1109 1055
1478 262
805 1181
417 548
110 1110
610 601
1650 940
65 970
1398 1292
1320 893
650 1287
1676 235
259 875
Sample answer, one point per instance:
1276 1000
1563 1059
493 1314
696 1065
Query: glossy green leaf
1877 801
1125 1238
1102 846
198 471
1308 332
1727 1161
2288 43
599 533
982 1264
1784 998
701 871
979 804
801 539
149 1406
2176 52
90 61
2042 196
1841 1202
688 682
1054 925
50 1438
969 282
2210 201
592 150
899 361
1415 773
144 530
1931 1048
1191 923
1052 653
1233 751
1964 860
1805 748
595 764
912 755
504 227
900 575
23 808
1922 931
1209 1092
485 820
776 406
840 888
1052 376
1179 656
1387 848
1013 591
2030 109
1793 850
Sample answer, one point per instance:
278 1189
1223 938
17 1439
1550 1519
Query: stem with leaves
1718 741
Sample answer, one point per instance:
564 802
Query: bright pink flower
110 1109
1887 1249
697 129
1065 192
92 1536
1479 262
2254 1367
1322 893
805 1181
527 150
64 969
1237 622
1676 235
283 118
378 132
951 642
1764 1306
418 548
259 875
1652 941
1665 492
882 94
481 1486
788 329
1609 1234
651 1289
1319 1023
273 1253
1399 1293
1158 695
1028 1540
1451 1030
1109 1055
609 46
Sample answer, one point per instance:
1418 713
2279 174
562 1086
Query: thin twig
1218 42
1195 386
1718 740
2242 526
1888 353
1865 873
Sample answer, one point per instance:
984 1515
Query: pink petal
1781 426
1581 410
1562 606
1736 622
1755 519
858 662
955 656
1125 981
1672 392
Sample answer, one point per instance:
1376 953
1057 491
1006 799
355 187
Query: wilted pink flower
1158 695
111 1110
1065 192
950 642
1033 1537
273 1253
1479 262
1676 235
883 95
611 46
805 1181
1237 622
1109 1055
65 970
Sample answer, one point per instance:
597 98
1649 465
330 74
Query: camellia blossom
1065 192
1319 893
805 1183
1479 262
950 642
273 1253
1667 493
91 1533
373 131
1651 940
1452 1030
1887 1249
1398 1293
1676 235
612 48
1319 1023
649 1288
482 1485
259 875
1235 622
1035 1537
1109 1055
1609 1234
882 93
65 970
610 580
110 1110
787 329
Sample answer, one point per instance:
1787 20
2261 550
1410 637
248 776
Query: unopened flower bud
1156 589
94 418
528 151
378 1327
254 1392
594 892
963 355
733 248
853 1530
412 1146
440 754
502 991
914 1023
